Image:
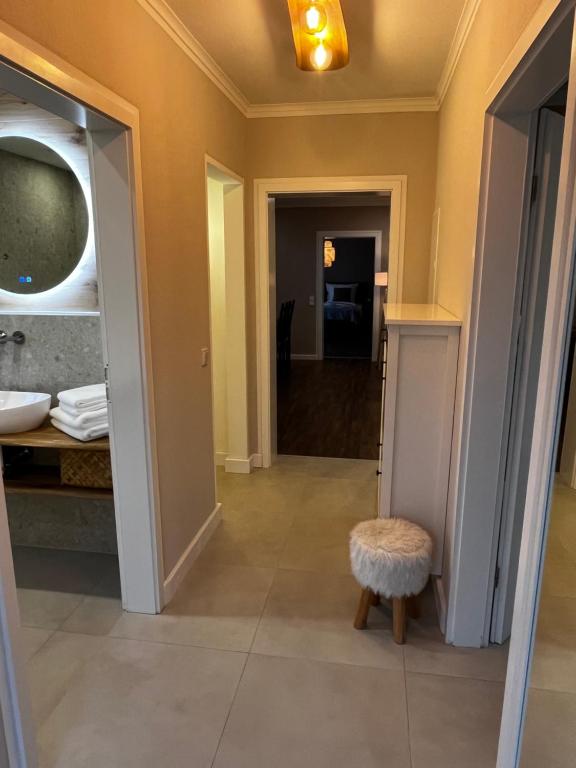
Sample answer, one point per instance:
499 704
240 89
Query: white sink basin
21 411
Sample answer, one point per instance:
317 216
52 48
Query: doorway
225 207
111 127
548 736
267 191
348 296
479 463
329 251
508 231
533 279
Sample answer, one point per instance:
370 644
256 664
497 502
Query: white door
530 328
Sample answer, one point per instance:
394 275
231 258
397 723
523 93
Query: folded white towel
89 433
85 419
75 412
90 398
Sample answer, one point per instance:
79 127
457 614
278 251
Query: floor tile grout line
231 650
407 708
62 630
237 651
146 641
43 643
262 610
232 702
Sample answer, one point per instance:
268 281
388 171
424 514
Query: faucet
17 337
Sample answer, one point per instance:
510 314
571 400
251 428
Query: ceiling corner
161 12
463 28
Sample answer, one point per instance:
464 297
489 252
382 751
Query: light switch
204 357
312 301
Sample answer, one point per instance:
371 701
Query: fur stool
390 558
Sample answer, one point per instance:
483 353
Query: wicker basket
85 469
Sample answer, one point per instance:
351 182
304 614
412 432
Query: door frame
112 125
532 73
372 234
523 379
237 456
547 416
264 190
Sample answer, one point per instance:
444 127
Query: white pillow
330 287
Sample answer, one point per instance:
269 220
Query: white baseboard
193 550
256 460
220 459
239 466
304 357
441 605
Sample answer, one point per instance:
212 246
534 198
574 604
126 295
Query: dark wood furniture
284 334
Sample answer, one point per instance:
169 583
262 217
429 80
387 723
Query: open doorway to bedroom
331 258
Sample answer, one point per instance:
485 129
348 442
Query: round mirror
43 217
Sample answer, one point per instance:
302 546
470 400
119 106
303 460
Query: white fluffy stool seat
390 558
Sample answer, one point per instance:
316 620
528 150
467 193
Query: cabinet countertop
48 436
418 314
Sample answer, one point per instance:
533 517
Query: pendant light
319 34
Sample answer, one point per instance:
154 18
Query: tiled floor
549 736
255 663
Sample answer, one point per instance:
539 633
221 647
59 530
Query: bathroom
58 482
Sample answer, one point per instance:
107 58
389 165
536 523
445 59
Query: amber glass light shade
319 34
329 253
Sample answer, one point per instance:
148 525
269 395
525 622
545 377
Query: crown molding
463 28
165 17
351 107
161 12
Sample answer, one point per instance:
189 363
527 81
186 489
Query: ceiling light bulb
321 56
314 19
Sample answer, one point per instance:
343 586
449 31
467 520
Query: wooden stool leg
399 619
363 608
375 598
413 607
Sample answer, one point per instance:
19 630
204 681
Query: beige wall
183 116
496 29
296 258
340 145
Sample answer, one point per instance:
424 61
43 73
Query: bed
345 311
341 304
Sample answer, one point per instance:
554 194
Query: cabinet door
388 422
382 406
418 419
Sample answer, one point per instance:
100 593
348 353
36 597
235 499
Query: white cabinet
418 414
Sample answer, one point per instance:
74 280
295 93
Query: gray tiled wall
60 352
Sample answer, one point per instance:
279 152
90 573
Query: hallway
255 663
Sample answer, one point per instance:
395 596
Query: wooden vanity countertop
48 436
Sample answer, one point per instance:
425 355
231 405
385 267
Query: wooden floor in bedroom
330 408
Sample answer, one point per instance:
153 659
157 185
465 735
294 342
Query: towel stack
82 413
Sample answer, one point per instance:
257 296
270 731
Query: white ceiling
398 48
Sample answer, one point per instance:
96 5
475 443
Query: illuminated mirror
43 217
